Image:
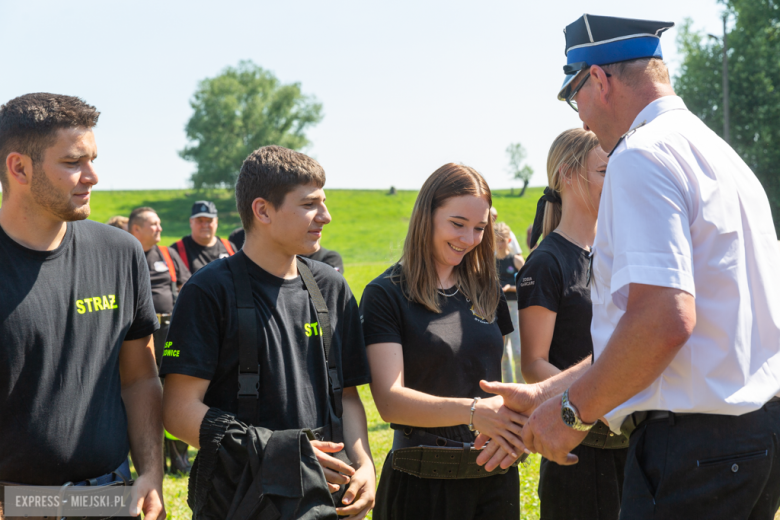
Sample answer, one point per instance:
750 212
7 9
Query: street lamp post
726 136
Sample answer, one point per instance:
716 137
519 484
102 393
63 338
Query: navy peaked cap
599 40
204 208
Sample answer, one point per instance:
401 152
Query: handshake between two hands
521 419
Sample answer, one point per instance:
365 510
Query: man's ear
601 82
19 167
262 210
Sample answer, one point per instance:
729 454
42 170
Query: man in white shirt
686 317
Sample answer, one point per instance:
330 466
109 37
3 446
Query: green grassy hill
368 227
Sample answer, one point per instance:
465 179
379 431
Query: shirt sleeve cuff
648 275
382 338
148 330
200 373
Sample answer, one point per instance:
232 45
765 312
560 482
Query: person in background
328 256
514 245
203 246
119 222
553 295
434 324
167 275
508 264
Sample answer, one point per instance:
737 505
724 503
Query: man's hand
361 495
546 433
337 472
521 398
146 496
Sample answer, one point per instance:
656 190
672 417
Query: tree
239 111
754 86
517 169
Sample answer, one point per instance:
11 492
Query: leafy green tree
517 168
237 112
754 86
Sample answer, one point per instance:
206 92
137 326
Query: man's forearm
143 403
355 428
556 384
657 323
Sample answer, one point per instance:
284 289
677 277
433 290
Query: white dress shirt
680 209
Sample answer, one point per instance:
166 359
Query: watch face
567 414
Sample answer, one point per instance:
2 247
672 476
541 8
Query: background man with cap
167 274
203 245
686 326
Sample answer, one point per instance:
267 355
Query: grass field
368 230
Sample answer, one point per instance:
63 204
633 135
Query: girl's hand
501 424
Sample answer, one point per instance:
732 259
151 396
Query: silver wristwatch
571 416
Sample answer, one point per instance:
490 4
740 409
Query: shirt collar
658 107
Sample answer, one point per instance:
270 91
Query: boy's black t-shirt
203 342
555 277
63 317
161 277
445 354
200 256
506 274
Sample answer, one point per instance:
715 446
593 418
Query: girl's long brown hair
476 275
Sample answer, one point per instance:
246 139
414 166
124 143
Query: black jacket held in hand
256 474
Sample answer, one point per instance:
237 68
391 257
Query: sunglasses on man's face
575 90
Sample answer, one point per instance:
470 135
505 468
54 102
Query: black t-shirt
237 237
161 277
200 256
445 354
63 317
203 342
330 257
506 274
555 277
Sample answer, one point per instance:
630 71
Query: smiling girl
434 326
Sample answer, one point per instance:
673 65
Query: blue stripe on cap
621 50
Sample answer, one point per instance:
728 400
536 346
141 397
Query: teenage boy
268 339
78 383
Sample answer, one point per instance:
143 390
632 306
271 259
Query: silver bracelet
471 419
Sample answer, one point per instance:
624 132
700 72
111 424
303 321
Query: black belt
426 455
633 421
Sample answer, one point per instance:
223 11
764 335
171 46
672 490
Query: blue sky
406 86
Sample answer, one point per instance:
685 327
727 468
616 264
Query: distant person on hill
514 245
434 325
118 222
167 274
203 246
508 264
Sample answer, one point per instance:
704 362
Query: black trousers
401 496
704 466
588 490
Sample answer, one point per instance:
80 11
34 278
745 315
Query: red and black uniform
196 256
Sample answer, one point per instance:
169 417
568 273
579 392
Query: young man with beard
78 382
265 349
683 278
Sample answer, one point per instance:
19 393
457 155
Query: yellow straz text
96 303
312 328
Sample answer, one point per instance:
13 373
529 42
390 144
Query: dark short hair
271 172
29 124
135 216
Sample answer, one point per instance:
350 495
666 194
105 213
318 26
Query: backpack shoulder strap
323 317
227 245
183 253
248 364
169 262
